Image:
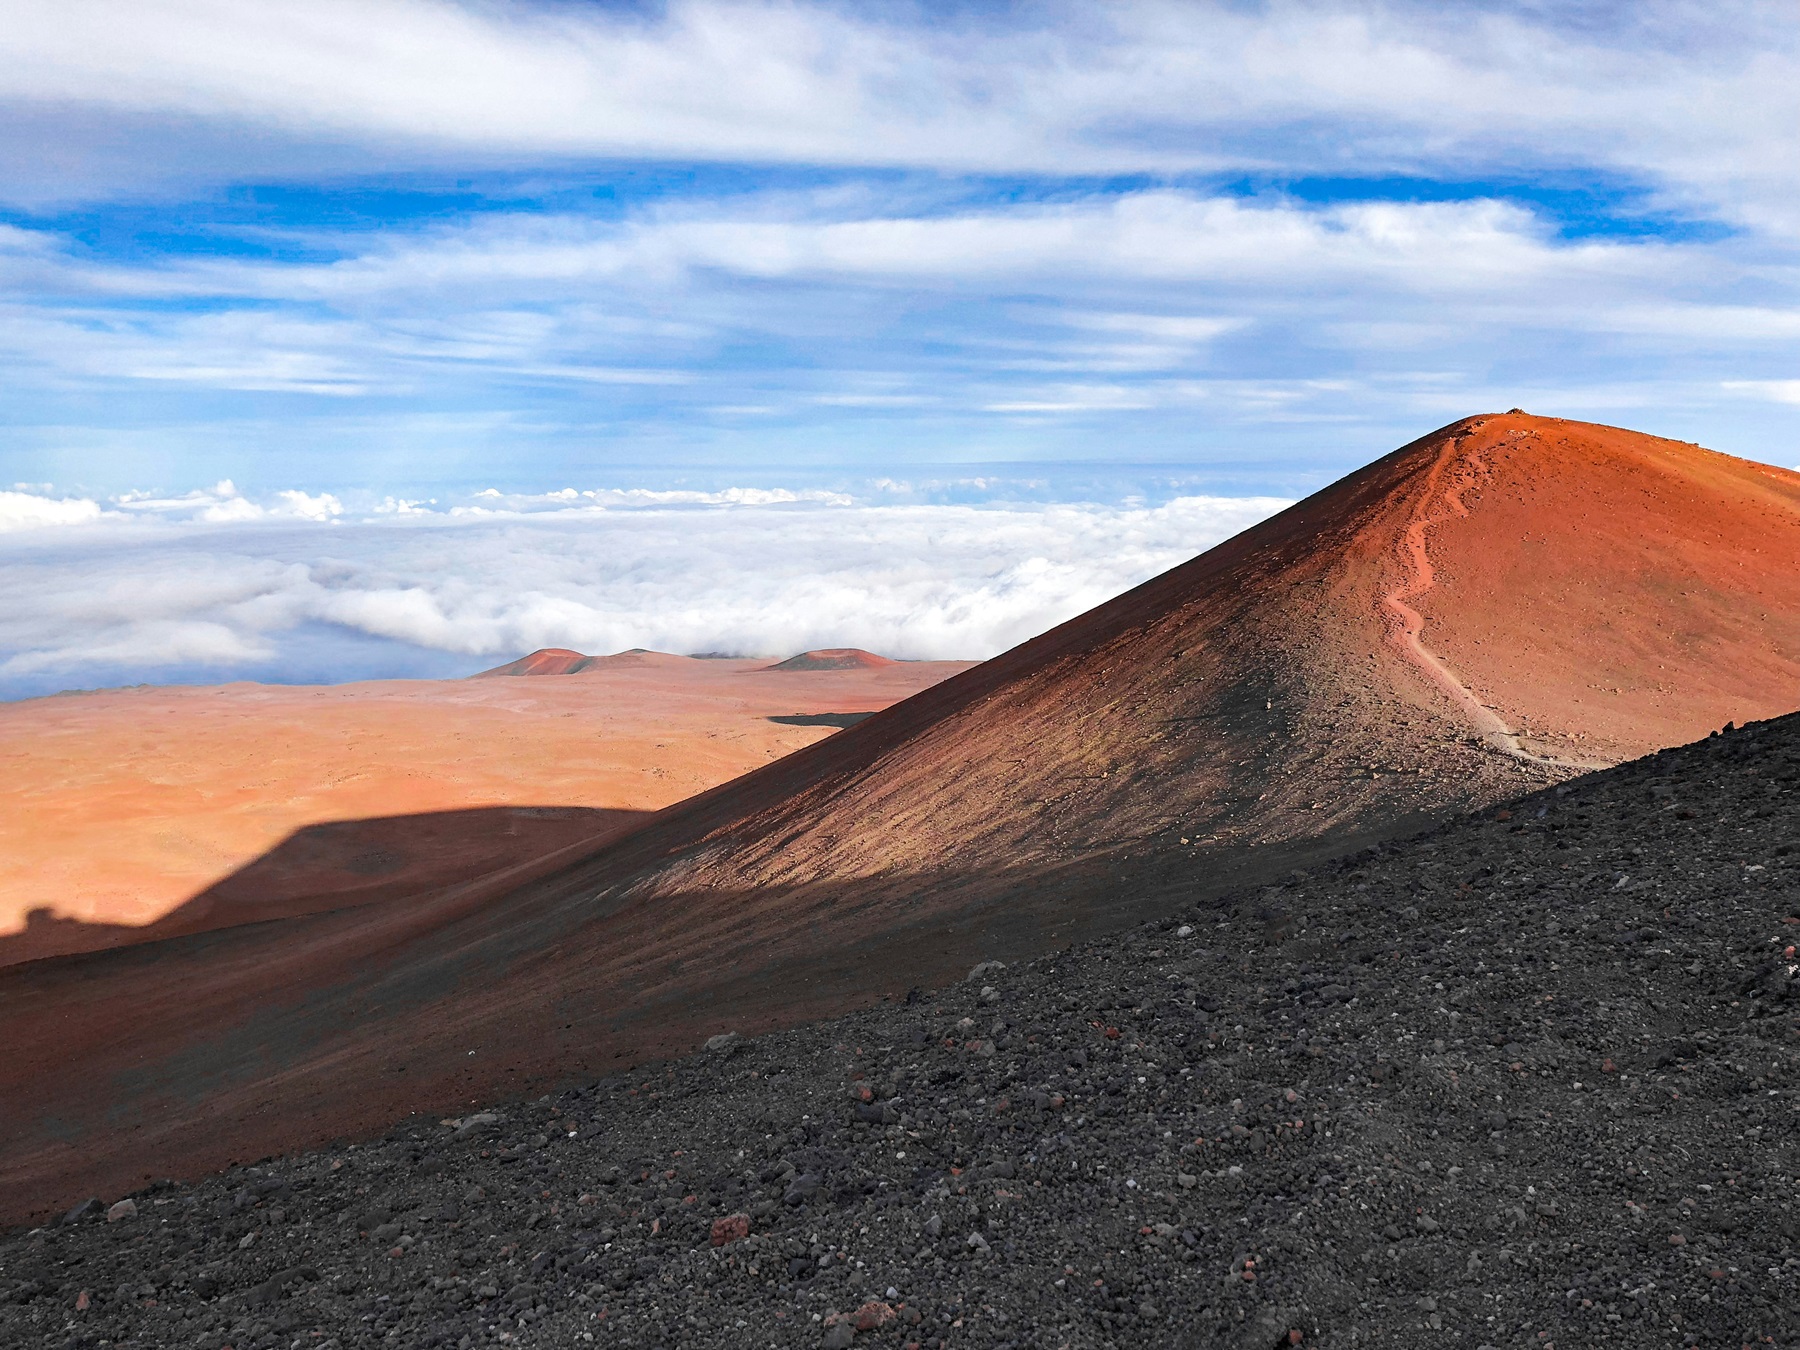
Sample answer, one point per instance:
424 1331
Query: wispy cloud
1702 99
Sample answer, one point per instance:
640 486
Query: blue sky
1122 254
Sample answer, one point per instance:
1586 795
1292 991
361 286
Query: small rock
801 1189
87 1209
985 968
1186 930
125 1209
872 1315
989 994
731 1228
977 1242
723 1041
838 1337
1186 1180
934 1227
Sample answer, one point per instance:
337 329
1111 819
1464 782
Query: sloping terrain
834 658
137 814
1526 1080
1276 701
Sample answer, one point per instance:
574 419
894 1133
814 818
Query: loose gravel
1527 1080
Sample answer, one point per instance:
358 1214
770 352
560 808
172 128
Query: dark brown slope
1278 698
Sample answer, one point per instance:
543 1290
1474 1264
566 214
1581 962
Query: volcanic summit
1509 601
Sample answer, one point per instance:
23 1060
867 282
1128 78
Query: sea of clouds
212 585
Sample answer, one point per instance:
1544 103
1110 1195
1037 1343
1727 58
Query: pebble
123 1209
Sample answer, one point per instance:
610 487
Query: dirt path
1450 476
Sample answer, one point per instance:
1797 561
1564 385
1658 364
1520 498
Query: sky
358 337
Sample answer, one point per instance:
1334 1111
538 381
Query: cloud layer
152 589
353 260
1702 99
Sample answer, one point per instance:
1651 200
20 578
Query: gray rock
838 1337
801 1189
124 1209
984 969
87 1209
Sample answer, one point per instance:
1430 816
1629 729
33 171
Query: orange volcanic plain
1499 605
140 813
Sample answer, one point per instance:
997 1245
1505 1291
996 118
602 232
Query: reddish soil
142 813
1420 639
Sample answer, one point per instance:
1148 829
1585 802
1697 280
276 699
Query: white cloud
752 570
26 510
309 506
1143 286
1702 99
1775 391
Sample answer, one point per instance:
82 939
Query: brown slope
835 658
544 661
1275 699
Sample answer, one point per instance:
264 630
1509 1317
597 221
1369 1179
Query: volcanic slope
1276 700
1527 1080
136 814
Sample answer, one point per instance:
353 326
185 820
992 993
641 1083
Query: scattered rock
1142 1124
123 1209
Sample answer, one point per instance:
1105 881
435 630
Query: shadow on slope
344 864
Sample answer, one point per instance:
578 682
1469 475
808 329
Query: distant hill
562 661
835 658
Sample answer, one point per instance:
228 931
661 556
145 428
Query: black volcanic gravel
1528 1080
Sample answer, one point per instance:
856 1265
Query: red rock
731 1228
872 1315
